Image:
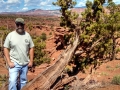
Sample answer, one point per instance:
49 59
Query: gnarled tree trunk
46 79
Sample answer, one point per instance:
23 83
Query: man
20 45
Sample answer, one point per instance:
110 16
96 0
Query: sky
25 5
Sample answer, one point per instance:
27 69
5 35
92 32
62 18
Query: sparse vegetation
3 28
3 79
108 67
117 66
116 80
117 50
29 25
66 87
43 36
50 33
39 54
104 74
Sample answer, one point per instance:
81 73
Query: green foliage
117 66
94 33
67 38
50 33
29 25
67 69
66 87
116 80
67 16
37 23
117 50
3 79
94 30
43 36
98 30
3 36
39 53
3 28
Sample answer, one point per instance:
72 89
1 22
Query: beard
20 30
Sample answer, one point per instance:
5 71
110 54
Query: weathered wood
44 80
76 85
63 82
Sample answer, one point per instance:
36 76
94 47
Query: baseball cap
19 20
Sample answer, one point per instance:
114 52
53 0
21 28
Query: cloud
38 3
32 2
25 9
116 1
82 3
9 5
13 1
43 3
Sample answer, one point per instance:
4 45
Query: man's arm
31 54
6 53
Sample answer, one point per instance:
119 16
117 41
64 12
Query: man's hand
11 64
30 64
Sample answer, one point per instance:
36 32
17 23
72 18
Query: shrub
43 36
3 79
3 28
50 33
116 80
117 50
66 87
40 55
29 25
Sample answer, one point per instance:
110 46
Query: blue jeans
16 83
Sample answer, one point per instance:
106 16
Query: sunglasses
19 24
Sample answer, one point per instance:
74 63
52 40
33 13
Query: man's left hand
30 64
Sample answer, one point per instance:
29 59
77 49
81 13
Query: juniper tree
101 27
96 36
67 17
92 39
113 21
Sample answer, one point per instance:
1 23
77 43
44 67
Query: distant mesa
44 12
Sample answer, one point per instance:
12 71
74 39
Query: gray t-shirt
19 46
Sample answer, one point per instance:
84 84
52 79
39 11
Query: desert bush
117 66
40 55
50 33
3 28
66 87
43 23
117 50
37 23
29 25
43 36
116 80
3 36
3 79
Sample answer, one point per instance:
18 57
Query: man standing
19 52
